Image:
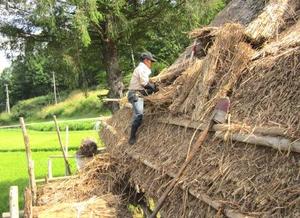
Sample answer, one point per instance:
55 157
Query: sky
4 62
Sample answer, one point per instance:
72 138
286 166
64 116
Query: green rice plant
13 171
12 139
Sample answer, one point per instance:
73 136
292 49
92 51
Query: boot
132 138
134 127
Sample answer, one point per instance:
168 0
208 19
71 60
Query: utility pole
132 57
7 99
54 87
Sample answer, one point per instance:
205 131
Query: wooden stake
7 214
32 182
27 203
56 179
26 140
66 148
13 202
67 140
50 169
67 165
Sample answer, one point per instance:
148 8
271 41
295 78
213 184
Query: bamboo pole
279 143
272 137
67 165
111 99
13 202
274 131
61 156
30 163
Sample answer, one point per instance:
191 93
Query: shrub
5 118
74 105
73 125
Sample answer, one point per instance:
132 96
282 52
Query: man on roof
139 87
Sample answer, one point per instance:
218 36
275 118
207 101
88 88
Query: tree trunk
114 74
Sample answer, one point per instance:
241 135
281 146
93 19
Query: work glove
150 88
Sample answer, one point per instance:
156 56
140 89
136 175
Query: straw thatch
273 19
92 194
251 180
258 67
103 207
212 78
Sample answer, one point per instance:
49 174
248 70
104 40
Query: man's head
147 58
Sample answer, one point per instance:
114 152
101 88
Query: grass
41 108
12 139
77 104
13 171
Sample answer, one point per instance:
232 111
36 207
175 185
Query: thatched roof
234 174
247 167
239 11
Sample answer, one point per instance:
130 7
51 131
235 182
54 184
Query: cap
147 55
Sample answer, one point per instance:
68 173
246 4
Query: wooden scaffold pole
30 163
67 165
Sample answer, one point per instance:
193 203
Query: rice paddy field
13 167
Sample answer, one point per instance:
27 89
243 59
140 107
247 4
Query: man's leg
138 110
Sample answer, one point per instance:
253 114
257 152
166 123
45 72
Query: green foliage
72 38
206 11
81 23
73 125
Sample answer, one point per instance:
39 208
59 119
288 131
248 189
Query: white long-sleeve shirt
140 77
